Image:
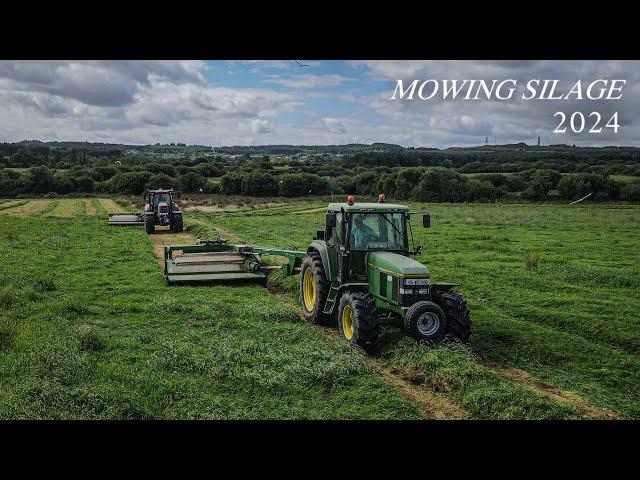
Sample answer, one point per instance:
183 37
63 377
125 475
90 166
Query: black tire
365 326
313 263
425 321
148 224
177 226
457 312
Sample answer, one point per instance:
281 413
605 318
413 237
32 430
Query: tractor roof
161 191
367 207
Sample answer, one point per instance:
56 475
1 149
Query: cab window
377 231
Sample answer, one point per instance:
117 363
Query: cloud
309 80
103 83
194 102
260 126
333 125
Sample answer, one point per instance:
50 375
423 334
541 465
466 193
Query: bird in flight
302 64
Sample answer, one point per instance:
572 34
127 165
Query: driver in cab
362 234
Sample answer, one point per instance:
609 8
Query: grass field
573 321
88 329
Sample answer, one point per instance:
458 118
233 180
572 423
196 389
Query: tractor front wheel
177 225
358 319
314 289
149 226
425 321
457 313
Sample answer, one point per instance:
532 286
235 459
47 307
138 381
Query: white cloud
333 125
309 80
260 126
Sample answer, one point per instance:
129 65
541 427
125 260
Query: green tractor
359 271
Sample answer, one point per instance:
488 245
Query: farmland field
88 329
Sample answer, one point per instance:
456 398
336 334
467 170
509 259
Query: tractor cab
356 231
159 200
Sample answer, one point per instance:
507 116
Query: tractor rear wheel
358 319
425 321
149 226
314 289
457 312
177 225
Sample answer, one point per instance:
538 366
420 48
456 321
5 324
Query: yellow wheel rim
347 322
309 290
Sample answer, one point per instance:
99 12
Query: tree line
35 168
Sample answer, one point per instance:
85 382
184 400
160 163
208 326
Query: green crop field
88 328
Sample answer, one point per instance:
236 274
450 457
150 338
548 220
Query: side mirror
426 220
331 220
319 235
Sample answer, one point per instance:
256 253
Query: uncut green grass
573 321
88 329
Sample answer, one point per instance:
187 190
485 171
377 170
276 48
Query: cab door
334 242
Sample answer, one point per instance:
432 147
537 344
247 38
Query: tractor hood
395 264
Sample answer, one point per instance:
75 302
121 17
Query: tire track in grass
432 405
558 395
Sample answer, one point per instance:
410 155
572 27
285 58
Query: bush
163 168
482 191
441 185
259 184
83 184
131 183
231 184
40 180
160 181
577 185
209 170
630 192
300 184
540 183
100 174
191 182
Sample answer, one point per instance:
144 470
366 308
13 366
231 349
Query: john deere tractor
359 271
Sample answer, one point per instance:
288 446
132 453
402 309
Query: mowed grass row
88 329
62 207
573 320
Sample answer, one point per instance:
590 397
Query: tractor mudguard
444 287
321 247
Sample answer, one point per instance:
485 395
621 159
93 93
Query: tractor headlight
415 282
406 291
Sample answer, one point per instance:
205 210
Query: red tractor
160 209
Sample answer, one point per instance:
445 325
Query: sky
221 103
